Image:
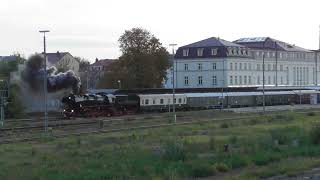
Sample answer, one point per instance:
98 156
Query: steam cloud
33 74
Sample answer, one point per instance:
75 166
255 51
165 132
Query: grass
256 146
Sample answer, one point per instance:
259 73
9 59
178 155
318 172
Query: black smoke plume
34 74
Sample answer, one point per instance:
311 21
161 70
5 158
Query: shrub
173 149
203 170
279 135
221 167
224 125
238 161
311 114
315 134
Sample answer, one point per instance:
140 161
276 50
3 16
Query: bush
311 114
315 134
224 125
238 161
279 135
221 167
203 170
173 149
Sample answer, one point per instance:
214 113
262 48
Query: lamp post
173 85
45 80
263 82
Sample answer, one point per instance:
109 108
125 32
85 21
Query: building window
214 52
186 67
231 66
199 80
214 80
281 80
200 51
214 66
245 80
249 66
245 66
240 66
235 80
240 80
258 80
269 67
186 80
200 67
274 67
258 67
269 80
235 66
231 80
185 52
249 79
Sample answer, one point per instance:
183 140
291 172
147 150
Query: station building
215 62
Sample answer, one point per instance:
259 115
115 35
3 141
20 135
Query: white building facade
215 62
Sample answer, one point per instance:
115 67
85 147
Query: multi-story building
214 62
63 61
97 70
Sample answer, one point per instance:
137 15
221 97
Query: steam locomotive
100 104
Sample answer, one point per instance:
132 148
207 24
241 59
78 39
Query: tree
143 62
83 64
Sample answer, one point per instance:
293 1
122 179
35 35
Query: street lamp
45 81
173 85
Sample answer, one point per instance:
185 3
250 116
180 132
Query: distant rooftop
55 57
269 43
8 58
212 42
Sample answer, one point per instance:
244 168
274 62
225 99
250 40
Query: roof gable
212 42
53 58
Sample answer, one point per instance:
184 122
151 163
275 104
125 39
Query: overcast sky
91 28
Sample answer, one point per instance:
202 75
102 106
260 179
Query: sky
91 29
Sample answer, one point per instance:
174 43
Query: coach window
175 100
179 100
161 101
153 101
147 101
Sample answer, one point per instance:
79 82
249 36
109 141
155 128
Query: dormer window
229 51
200 51
214 52
244 52
185 52
239 52
234 52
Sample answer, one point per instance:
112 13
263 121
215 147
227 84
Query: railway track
105 125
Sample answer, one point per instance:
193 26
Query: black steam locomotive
94 105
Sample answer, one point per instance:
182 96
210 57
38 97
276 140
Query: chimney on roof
97 59
58 52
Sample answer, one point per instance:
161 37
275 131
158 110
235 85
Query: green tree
83 64
14 109
143 62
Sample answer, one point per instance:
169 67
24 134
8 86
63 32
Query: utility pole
173 85
223 83
275 42
263 82
45 91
